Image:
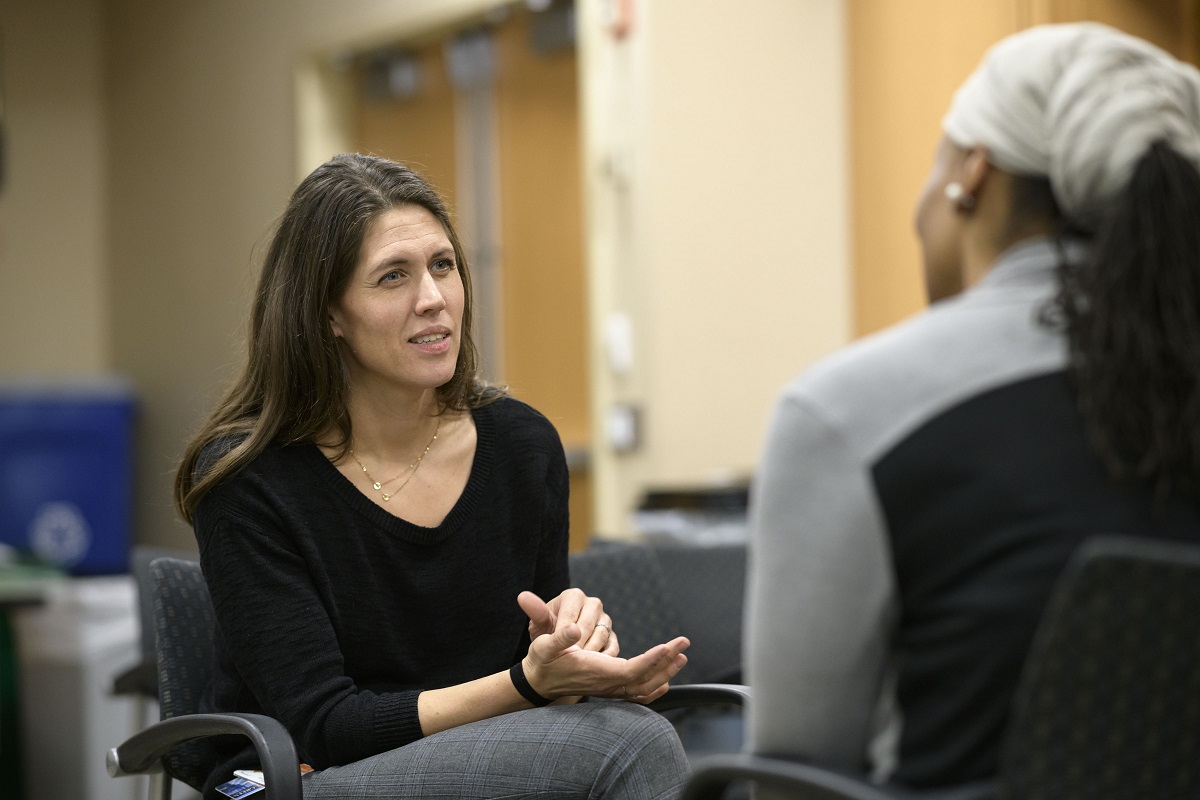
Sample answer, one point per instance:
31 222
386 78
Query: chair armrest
701 694
143 752
712 775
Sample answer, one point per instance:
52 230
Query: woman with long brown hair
385 536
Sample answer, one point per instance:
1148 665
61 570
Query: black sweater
333 615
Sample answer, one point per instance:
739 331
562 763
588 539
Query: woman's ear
974 171
334 326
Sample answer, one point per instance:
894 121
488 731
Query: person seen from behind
922 490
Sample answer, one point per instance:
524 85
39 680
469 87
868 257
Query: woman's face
400 318
939 225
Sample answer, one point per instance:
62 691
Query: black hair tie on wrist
517 673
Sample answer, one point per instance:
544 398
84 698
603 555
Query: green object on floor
10 716
22 583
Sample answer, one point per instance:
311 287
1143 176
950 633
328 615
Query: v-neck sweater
333 614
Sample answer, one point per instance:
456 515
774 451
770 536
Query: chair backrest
707 584
1109 703
140 560
184 626
655 593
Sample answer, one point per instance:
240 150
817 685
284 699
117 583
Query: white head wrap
1080 104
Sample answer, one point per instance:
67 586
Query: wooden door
418 130
541 235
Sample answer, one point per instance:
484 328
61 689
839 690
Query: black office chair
140 681
177 746
1108 705
630 582
657 592
707 583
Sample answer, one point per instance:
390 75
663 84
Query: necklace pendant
377 485
387 497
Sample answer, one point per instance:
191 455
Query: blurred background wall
740 178
671 207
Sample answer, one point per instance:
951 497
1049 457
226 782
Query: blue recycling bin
66 474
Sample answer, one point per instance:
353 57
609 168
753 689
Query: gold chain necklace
411 468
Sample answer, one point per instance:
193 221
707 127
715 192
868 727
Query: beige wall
715 166
747 252
203 130
149 147
54 315
165 138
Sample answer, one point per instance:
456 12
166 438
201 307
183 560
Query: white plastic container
68 652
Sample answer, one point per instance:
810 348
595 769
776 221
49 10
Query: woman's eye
391 276
443 265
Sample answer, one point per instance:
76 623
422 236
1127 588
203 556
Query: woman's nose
429 295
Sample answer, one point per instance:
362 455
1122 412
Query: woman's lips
432 343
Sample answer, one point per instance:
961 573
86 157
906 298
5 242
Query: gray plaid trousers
611 750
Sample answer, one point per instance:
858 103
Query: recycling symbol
59 533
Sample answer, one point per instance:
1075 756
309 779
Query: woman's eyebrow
391 261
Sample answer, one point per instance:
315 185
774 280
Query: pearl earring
956 195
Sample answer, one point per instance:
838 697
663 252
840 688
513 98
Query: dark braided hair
1132 317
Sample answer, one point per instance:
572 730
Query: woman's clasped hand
574 651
